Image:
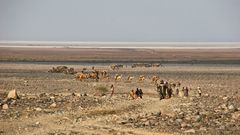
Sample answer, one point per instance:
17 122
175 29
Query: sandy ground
117 54
80 111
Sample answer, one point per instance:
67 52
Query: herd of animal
62 69
165 89
96 74
104 75
134 65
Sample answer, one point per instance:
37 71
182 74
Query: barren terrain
57 104
118 54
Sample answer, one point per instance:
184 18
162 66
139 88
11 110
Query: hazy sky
120 20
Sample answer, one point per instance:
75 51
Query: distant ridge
167 45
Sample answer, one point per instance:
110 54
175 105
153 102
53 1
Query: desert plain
58 104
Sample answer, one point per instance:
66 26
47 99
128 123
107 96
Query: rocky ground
56 104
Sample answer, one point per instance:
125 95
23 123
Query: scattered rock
13 94
197 118
177 110
143 120
122 122
236 115
37 123
178 120
48 111
222 127
206 95
190 131
25 83
203 129
223 106
42 95
73 94
67 89
231 107
13 102
225 98
5 107
188 117
147 123
53 105
184 125
38 109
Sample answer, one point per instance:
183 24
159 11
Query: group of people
133 94
136 94
166 90
185 91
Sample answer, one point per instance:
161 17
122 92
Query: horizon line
96 44
123 42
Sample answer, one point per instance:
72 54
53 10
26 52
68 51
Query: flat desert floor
118 54
57 104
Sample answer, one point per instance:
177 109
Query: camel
155 65
130 78
141 78
81 76
118 77
116 66
94 75
155 79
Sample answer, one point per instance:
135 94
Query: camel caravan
145 65
165 89
135 65
62 69
84 74
116 66
97 74
92 74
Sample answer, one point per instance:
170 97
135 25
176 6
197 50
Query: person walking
199 91
165 86
140 93
160 89
132 94
177 92
137 92
169 92
112 90
186 92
